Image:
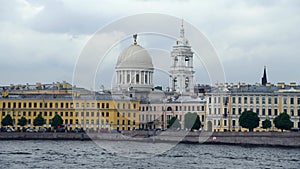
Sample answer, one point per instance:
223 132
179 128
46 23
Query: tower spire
181 30
264 80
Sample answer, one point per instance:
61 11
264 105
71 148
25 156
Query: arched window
187 59
187 82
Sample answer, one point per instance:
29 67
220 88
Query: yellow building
81 109
225 103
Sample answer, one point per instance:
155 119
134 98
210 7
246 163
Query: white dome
135 56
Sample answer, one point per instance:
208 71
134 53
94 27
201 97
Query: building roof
135 56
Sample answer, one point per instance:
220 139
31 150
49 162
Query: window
24 105
107 105
118 114
269 112
134 107
233 99
263 112
257 100
233 123
233 110
275 100
245 100
30 104
128 122
137 78
275 112
128 78
45 113
284 100
269 100
292 100
61 105
50 105
92 114
87 114
107 114
128 105
146 78
240 100
257 111
102 105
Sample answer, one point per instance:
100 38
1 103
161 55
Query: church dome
134 56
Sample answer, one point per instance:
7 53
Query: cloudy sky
41 41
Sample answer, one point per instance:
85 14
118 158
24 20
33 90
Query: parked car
31 130
10 130
41 130
61 130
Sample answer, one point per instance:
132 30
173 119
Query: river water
87 154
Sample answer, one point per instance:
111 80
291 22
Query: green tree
56 121
174 123
39 120
7 120
283 121
266 124
22 122
192 121
249 120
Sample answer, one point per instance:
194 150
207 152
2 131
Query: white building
181 70
134 72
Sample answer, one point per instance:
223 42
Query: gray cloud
48 36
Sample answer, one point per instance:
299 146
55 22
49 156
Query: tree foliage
39 120
192 121
23 121
56 121
249 120
266 124
7 120
174 123
283 121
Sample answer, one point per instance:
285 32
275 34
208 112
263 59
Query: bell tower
181 70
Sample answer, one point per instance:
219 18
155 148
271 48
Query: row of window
176 108
70 114
262 112
252 100
62 105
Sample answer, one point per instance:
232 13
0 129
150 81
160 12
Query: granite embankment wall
288 139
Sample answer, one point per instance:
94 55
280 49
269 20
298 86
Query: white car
10 130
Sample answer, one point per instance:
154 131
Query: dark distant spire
264 80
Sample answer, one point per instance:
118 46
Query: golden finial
134 39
